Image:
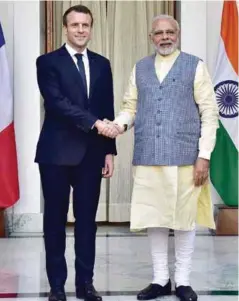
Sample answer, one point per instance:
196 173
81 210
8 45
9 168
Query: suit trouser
85 179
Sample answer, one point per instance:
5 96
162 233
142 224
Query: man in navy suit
76 85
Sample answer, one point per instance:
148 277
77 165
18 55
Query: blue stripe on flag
2 40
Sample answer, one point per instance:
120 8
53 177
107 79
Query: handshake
108 128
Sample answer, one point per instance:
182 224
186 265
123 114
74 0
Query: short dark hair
79 9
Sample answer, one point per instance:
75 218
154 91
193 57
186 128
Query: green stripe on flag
224 168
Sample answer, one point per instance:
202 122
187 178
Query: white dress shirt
85 59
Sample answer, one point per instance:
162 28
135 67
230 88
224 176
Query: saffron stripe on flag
229 32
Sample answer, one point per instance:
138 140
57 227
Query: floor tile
123 265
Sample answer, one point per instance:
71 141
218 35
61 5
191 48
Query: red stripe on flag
9 186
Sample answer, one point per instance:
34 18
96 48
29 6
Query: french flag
9 186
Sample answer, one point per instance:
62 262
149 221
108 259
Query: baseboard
27 223
2 224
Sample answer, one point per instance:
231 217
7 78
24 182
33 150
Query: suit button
158 136
158 111
158 123
159 99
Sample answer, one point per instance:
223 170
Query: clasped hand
108 129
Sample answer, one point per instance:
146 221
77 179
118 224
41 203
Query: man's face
165 36
78 29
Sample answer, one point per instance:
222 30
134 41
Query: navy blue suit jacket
69 114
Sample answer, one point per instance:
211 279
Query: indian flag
9 189
224 161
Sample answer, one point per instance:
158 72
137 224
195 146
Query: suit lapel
93 70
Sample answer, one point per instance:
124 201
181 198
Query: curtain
129 24
98 9
121 33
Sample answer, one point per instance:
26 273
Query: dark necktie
81 67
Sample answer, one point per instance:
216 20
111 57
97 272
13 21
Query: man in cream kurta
171 197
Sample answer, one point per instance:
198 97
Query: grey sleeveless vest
167 125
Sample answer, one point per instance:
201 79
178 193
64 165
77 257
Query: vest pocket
187 137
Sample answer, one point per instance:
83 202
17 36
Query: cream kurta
165 196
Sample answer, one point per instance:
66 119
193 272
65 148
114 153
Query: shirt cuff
204 154
124 118
93 126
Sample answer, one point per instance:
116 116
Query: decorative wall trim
49 25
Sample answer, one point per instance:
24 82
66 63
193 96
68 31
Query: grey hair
166 17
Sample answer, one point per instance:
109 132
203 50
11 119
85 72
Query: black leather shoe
186 293
154 290
87 292
57 296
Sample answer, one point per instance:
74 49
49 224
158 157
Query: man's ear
64 30
151 37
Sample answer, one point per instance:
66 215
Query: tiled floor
123 266
132 298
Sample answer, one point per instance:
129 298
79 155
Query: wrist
109 157
123 127
204 159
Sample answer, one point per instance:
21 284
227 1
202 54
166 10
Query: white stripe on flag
6 103
223 72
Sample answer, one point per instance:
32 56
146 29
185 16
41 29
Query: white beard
168 50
